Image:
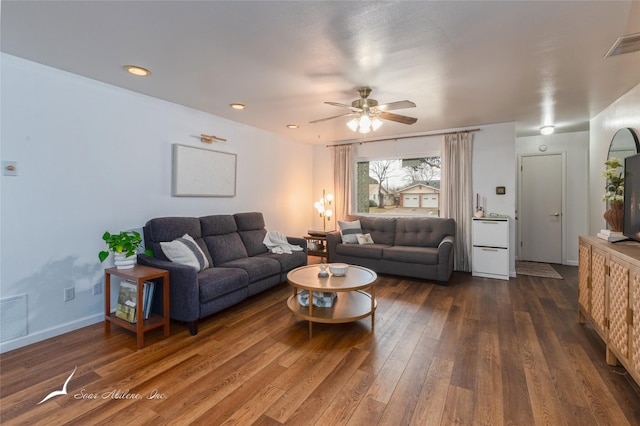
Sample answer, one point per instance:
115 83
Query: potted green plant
123 246
614 194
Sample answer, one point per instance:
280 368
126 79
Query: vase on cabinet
615 216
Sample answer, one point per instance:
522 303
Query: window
400 186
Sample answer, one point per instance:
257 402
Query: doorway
540 213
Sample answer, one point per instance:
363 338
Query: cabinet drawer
491 233
488 260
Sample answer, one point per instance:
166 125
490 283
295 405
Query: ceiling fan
368 113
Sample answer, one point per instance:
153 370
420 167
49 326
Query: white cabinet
491 248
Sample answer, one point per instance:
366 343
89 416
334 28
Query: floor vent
13 317
626 44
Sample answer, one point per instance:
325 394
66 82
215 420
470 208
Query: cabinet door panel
491 233
635 329
618 306
598 290
490 260
584 275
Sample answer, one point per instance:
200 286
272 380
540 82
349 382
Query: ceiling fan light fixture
365 122
353 124
376 123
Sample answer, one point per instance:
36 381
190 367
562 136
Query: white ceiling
464 63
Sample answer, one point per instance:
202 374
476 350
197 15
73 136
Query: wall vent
13 317
625 44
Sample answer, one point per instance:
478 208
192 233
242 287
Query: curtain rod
405 137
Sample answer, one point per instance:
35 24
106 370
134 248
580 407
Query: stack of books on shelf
611 236
127 305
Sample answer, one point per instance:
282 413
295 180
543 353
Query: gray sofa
240 264
419 247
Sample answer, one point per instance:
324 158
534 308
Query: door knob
555 214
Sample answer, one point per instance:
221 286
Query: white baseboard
50 332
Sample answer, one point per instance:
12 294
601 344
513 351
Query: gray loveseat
240 264
419 247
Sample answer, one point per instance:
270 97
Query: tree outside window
401 186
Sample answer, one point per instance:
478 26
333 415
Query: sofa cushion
257 267
382 229
349 230
369 251
225 248
254 241
407 254
218 225
288 261
186 251
216 282
249 221
423 232
164 229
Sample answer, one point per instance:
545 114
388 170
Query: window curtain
457 193
342 179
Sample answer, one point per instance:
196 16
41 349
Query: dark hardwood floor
477 352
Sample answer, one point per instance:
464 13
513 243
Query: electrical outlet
97 288
69 294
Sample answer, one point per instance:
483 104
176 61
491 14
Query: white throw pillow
364 239
349 230
186 251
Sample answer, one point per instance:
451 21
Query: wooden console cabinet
609 298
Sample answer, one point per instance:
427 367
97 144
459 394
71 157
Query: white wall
624 112
93 157
575 147
494 159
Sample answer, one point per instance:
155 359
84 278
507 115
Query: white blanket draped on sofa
277 242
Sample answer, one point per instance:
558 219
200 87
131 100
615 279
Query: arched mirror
624 143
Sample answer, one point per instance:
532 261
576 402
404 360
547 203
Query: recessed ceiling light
238 106
547 130
292 126
135 70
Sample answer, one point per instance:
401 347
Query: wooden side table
321 246
138 274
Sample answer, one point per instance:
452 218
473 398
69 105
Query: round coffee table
351 304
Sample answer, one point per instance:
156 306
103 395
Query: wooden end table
138 274
352 303
321 246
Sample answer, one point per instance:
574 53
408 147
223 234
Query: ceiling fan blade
398 118
338 104
331 118
344 106
396 105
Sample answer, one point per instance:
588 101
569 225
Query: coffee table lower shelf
349 306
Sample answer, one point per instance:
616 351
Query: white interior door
540 215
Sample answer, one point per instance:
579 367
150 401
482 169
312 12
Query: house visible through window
401 186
